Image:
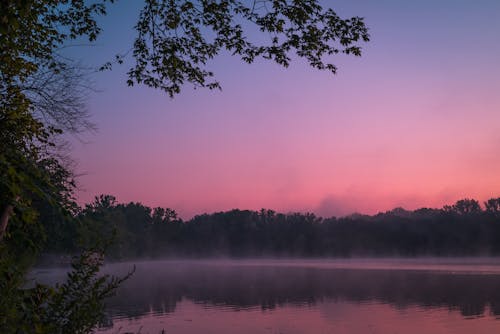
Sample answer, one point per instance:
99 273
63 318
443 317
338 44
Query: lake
304 296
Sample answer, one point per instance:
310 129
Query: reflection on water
306 297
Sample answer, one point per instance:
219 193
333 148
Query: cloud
334 205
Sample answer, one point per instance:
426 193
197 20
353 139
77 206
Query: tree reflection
158 287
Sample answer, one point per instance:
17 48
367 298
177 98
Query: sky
414 122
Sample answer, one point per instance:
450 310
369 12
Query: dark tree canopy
144 232
177 38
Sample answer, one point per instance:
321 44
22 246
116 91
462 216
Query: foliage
146 232
75 306
176 39
465 206
41 95
493 206
32 109
126 224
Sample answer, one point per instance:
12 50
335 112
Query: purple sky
414 122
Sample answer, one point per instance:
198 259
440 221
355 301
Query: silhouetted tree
464 207
141 231
177 38
493 206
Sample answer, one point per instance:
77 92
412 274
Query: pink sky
415 122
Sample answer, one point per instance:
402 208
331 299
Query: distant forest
463 229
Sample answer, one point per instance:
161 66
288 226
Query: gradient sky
414 122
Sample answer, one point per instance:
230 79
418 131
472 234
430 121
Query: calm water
294 297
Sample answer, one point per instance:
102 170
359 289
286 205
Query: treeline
462 229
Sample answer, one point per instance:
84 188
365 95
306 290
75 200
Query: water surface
310 296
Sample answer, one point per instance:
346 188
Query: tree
464 207
493 206
176 39
42 92
41 96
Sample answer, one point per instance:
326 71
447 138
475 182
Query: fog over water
429 295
